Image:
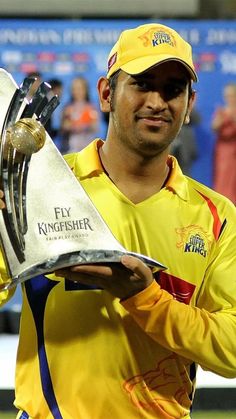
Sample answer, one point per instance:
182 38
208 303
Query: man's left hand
123 280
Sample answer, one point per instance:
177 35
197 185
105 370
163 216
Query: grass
212 414
197 415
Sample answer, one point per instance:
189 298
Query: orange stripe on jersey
217 223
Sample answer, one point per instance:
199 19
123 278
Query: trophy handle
14 164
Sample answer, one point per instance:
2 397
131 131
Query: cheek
128 98
180 111
178 114
124 107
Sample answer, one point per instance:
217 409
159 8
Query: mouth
154 121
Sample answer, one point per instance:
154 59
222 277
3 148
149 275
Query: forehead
167 70
78 82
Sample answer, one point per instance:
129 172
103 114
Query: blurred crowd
79 120
224 126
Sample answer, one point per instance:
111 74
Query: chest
178 236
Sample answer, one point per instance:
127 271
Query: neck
137 176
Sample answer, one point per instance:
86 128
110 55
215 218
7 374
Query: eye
173 90
141 84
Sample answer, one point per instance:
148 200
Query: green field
214 415
197 415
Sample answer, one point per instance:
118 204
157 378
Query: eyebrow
183 79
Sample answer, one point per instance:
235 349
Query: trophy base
81 257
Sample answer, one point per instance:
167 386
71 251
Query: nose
155 100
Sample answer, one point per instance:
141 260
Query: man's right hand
2 203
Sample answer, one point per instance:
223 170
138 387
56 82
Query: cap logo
156 38
112 60
161 38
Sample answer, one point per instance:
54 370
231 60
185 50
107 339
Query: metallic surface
49 221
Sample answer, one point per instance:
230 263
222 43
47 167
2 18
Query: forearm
206 338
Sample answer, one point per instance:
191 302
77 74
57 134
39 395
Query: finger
79 277
62 272
2 203
136 266
84 271
95 269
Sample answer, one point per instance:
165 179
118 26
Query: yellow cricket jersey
85 355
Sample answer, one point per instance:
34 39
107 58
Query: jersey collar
87 162
177 181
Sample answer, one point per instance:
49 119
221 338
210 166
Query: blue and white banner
67 48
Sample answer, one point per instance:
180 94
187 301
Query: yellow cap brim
140 65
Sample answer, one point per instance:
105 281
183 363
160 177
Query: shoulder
70 159
85 161
214 200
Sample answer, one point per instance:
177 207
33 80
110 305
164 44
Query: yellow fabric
140 48
4 279
135 359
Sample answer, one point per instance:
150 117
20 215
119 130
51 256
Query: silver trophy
49 221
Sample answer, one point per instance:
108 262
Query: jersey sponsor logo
193 239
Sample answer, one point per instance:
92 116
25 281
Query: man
120 341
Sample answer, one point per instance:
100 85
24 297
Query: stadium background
64 48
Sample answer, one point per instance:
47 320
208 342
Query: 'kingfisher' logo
193 239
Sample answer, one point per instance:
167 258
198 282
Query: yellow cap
141 48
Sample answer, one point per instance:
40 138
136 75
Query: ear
191 102
187 119
104 94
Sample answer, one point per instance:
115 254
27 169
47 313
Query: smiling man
118 340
